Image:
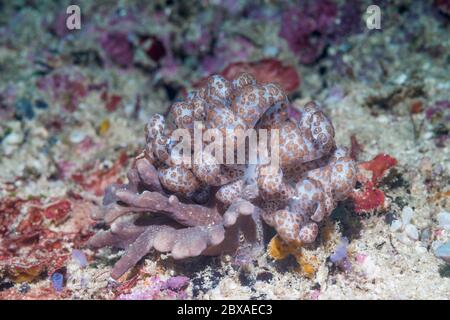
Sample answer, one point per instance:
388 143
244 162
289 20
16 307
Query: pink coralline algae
118 48
310 26
306 27
154 47
67 88
369 198
95 179
210 207
28 246
159 289
265 70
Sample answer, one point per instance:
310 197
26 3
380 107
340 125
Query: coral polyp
195 203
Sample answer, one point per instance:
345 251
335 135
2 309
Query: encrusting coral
210 207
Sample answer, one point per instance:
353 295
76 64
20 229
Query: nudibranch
208 206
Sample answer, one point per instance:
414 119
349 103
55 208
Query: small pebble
407 214
412 232
77 136
425 235
80 258
401 79
13 138
438 170
421 249
57 281
270 51
444 220
428 135
443 252
369 267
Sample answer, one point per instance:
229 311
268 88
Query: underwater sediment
359 207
